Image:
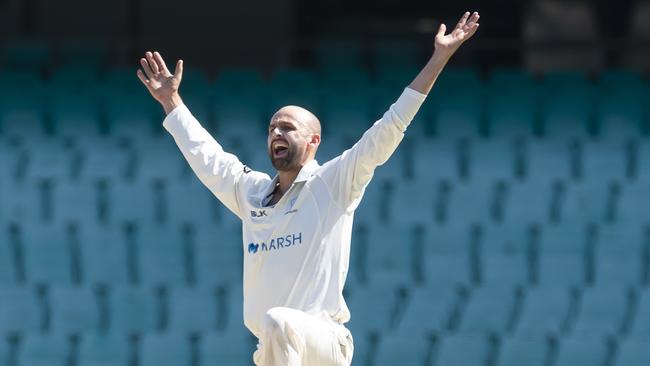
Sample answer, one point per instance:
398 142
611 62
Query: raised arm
349 173
162 85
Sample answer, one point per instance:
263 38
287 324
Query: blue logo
276 243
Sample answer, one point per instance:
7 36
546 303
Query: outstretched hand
162 84
464 30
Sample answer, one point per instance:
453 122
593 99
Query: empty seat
131 115
132 310
225 349
563 255
218 254
429 309
21 202
102 159
504 255
22 116
456 115
516 351
448 254
48 254
188 201
632 208
76 202
404 210
497 300
7 259
619 255
133 202
591 201
604 160
577 351
466 350
347 115
492 160
75 115
643 162
437 159
641 325
603 311
158 158
633 352
619 114
44 350
373 309
391 254
567 113
233 312
548 160
239 114
529 202
545 311
165 349
193 310
48 159
74 310
105 253
403 349
472 203
512 112
19 310
104 349
162 255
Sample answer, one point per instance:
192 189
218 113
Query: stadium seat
492 160
104 349
75 116
548 160
390 254
102 159
165 349
603 311
225 349
75 202
567 113
105 254
429 309
48 159
466 350
603 160
4 351
641 327
44 350
193 310
19 310
22 202
233 312
449 250
619 114
562 255
592 201
631 209
516 351
497 300
437 159
391 54
545 311
74 310
23 54
403 349
132 115
132 310
22 116
7 259
158 158
456 115
347 115
504 255
643 164
162 256
373 309
471 203
189 201
132 202
633 352
345 79
48 254
229 78
619 255
512 113
73 79
218 254
529 202
403 210
578 351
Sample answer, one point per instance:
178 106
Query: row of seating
568 254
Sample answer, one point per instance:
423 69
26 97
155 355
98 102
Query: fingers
146 67
178 72
142 78
152 62
473 19
442 30
463 20
161 63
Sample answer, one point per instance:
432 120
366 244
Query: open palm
157 78
465 29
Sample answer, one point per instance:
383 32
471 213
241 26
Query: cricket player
297 225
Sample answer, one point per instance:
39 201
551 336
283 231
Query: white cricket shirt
296 253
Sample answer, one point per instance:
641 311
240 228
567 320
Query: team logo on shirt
280 242
260 213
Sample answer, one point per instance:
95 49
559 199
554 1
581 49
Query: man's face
288 142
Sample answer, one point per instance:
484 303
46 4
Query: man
296 226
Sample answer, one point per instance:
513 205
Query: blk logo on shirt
280 242
260 213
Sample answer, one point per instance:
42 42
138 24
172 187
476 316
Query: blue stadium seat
528 202
193 310
189 201
165 349
504 255
429 309
132 114
456 115
465 350
44 350
102 159
19 310
619 255
631 209
517 351
619 114
402 349
373 210
603 311
4 352
545 311
512 113
225 349
347 115
162 255
75 115
76 202
104 349
21 202
346 80
74 310
373 309
239 114
434 160
105 254
233 313
448 253
218 254
22 116
471 203
132 310
578 351
562 255
497 300
7 259
48 254
132 202
587 202
567 113
633 352
404 210
73 79
548 160
641 327
492 160
390 254
48 159
158 158
604 160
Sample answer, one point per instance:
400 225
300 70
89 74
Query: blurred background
511 227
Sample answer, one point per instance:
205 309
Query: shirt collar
306 171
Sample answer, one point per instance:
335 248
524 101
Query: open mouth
280 149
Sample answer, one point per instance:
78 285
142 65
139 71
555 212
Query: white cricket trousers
291 337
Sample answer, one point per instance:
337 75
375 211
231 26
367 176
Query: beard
289 162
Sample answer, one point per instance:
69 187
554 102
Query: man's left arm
349 173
